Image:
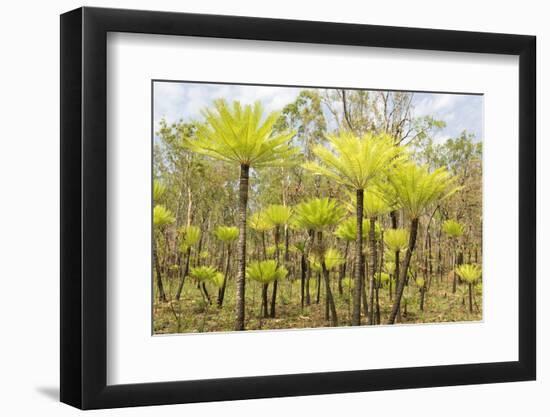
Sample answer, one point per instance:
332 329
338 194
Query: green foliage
203 273
420 282
348 283
396 239
277 215
348 229
217 279
453 228
265 271
226 233
159 189
416 188
382 278
189 236
162 216
390 267
469 272
333 258
259 223
318 214
354 161
238 134
270 250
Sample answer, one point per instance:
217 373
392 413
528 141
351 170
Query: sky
178 100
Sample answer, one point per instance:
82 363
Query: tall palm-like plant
416 188
375 205
318 214
241 135
397 241
162 217
454 230
265 272
226 234
189 236
277 216
346 231
355 162
469 273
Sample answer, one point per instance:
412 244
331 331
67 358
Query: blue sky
177 100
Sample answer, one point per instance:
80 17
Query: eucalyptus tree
189 236
356 163
265 272
162 217
277 216
454 230
227 235
469 273
242 136
416 189
319 214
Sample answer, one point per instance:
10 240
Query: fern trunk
356 317
404 270
241 251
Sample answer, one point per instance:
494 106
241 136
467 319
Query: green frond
390 267
217 279
270 250
203 273
396 239
189 236
420 282
159 189
277 215
259 223
265 271
348 283
226 233
453 228
162 216
348 229
237 134
354 161
317 214
416 188
333 258
469 272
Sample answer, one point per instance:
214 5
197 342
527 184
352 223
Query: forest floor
193 314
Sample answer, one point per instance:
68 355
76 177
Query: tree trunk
277 258
454 267
162 294
470 296
373 268
241 251
226 273
329 297
303 265
185 273
356 317
264 299
343 269
403 277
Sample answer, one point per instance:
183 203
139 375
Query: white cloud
183 100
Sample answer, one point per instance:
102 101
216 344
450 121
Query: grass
192 314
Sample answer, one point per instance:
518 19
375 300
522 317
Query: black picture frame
84 207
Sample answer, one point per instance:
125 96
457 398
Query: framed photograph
257 208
